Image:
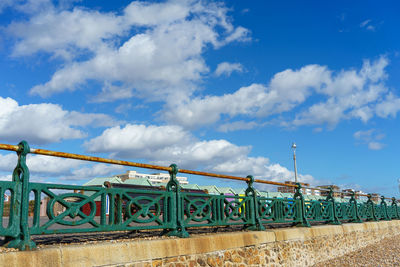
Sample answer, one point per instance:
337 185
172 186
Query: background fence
171 210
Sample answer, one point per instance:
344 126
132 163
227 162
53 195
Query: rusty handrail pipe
156 167
134 164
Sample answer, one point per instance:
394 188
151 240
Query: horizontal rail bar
134 164
97 159
155 167
9 147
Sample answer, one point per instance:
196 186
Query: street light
294 159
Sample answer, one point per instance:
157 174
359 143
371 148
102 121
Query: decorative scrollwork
265 209
142 209
72 203
234 210
198 209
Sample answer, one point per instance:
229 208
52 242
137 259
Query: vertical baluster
333 218
252 209
395 208
22 239
356 216
104 203
384 209
111 214
302 220
36 209
176 205
371 205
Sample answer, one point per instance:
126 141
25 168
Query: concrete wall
277 247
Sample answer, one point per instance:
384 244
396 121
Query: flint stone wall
278 247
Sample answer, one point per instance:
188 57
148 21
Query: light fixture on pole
294 159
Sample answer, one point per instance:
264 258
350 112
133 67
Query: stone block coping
110 253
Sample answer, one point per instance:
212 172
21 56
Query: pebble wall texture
383 254
312 252
296 246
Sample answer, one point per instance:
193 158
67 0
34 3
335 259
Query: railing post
395 207
384 208
302 209
353 201
334 218
372 206
175 205
252 207
22 240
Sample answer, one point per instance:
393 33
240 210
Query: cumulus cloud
370 137
50 169
150 49
389 107
350 94
39 164
347 94
237 125
226 68
44 123
172 144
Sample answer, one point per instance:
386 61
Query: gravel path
381 254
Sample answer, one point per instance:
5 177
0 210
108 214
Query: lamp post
294 159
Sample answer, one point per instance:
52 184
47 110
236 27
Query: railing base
21 244
178 233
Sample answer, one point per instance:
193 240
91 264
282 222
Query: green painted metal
19 210
302 208
78 209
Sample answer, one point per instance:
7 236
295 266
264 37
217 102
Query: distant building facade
306 191
375 197
6 198
325 190
155 178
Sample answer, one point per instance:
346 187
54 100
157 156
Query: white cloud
286 90
150 50
237 125
5 177
226 68
44 123
87 173
39 164
64 33
171 144
50 169
5 4
366 24
371 138
350 95
347 94
375 145
389 107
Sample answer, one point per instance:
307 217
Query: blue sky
217 86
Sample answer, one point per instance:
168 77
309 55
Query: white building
6 198
154 178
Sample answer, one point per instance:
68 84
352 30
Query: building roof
226 190
239 191
211 189
138 181
191 186
100 181
275 194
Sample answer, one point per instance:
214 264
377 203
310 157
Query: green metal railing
172 210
